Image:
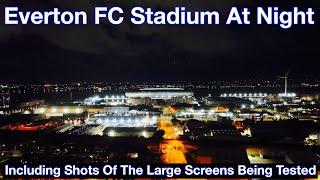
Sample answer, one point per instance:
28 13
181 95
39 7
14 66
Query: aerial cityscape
89 91
254 122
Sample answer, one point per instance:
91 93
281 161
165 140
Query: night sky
132 53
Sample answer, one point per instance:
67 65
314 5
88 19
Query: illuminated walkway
172 149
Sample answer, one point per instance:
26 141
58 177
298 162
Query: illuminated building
153 95
126 120
245 95
159 93
143 96
257 98
112 100
287 95
119 121
22 107
123 125
116 109
50 111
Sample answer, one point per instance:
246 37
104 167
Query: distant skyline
276 80
156 53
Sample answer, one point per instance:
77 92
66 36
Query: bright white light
53 110
145 120
243 106
65 110
42 110
144 134
78 110
251 106
288 95
111 133
228 114
99 121
96 98
27 112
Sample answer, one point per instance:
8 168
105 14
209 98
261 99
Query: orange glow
314 178
253 150
238 125
220 109
173 152
172 149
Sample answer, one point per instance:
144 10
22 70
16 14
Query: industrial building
112 100
150 96
160 95
123 120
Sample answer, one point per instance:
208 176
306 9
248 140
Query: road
172 149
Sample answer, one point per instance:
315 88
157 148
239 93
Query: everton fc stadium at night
201 85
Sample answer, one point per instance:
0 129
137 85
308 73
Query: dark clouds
130 52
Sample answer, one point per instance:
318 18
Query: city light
42 110
288 95
144 134
53 110
245 95
27 112
65 110
78 110
203 117
111 133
